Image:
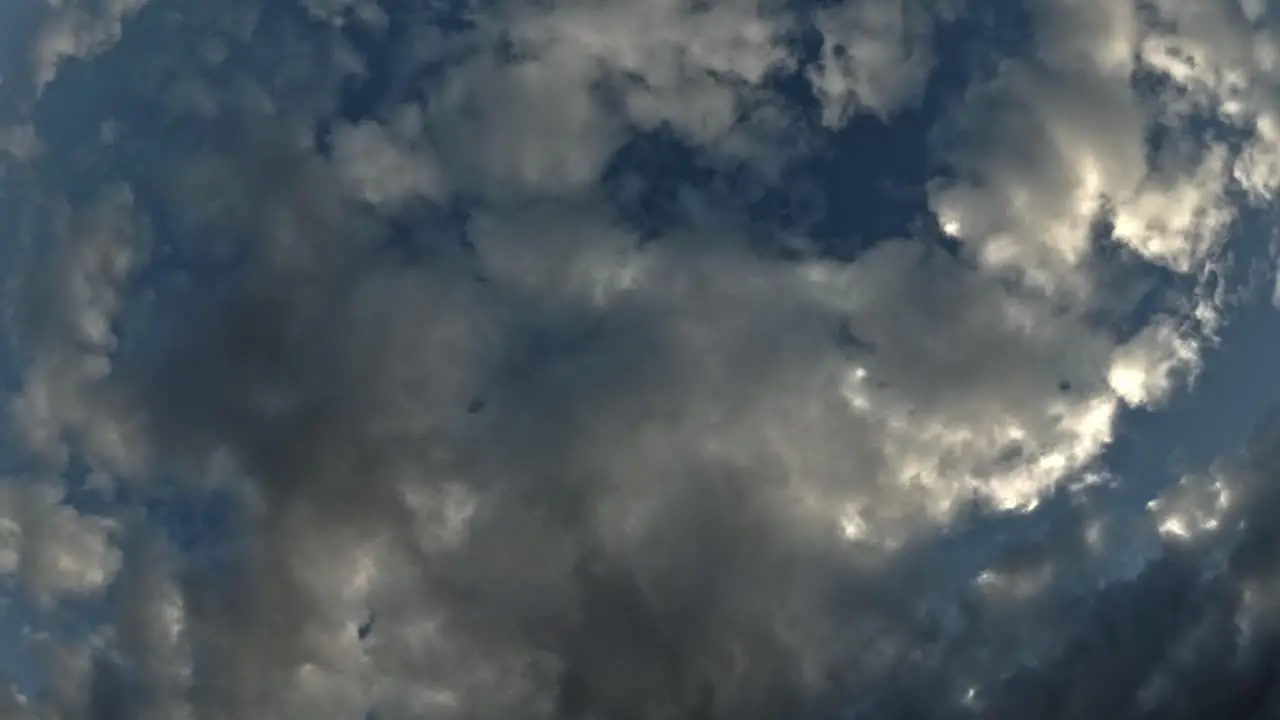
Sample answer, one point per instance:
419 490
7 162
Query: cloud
55 550
384 168
76 267
77 30
876 57
492 451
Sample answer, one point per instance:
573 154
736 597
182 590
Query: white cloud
1144 370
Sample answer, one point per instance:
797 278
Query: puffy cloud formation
503 360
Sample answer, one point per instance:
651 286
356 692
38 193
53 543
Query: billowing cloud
342 382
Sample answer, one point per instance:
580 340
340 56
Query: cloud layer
492 360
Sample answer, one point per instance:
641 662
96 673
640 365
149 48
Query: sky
639 360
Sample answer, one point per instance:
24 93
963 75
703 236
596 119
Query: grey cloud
876 57
76 267
551 468
77 30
